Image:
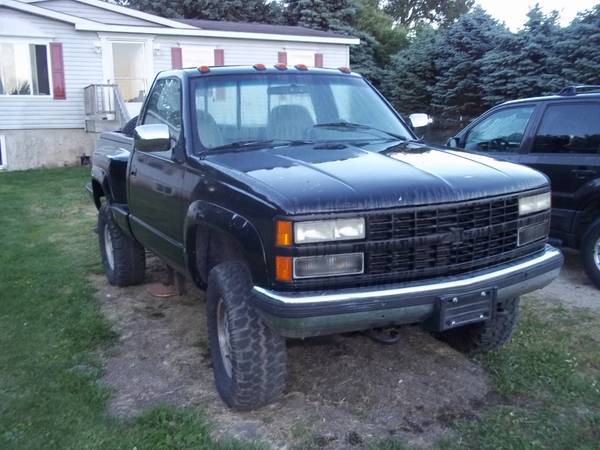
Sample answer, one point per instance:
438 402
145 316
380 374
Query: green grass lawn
51 329
51 332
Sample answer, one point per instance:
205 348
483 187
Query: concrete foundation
29 149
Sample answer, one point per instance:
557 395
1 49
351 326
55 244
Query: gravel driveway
343 391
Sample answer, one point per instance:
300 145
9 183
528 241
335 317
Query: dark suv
560 136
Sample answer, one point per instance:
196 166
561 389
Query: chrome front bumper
303 314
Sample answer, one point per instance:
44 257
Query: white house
60 61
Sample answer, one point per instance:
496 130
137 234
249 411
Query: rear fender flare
101 180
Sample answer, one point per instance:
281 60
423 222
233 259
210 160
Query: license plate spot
464 308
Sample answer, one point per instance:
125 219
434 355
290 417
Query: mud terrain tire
486 336
249 359
123 258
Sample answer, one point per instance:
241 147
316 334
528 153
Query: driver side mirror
419 120
152 138
453 142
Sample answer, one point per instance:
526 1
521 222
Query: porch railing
105 102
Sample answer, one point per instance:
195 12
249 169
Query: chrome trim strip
299 298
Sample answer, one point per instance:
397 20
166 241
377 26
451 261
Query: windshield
273 108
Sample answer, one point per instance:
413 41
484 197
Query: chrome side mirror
152 138
453 142
419 120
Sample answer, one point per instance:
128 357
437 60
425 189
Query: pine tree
580 49
409 79
526 64
458 91
230 10
320 14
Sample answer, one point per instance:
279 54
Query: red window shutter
58 71
219 57
318 59
282 57
176 58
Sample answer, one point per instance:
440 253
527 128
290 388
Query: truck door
566 148
502 134
155 179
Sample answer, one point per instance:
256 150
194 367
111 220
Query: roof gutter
94 26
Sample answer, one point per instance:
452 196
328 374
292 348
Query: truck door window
502 131
164 107
569 128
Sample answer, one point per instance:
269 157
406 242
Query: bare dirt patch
343 391
572 288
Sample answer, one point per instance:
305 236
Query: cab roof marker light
344 69
301 67
280 66
203 69
259 66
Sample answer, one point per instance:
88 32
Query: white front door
129 68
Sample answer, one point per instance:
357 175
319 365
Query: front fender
204 217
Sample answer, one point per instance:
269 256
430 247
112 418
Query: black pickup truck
559 135
305 206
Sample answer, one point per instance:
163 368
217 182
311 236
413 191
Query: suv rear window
571 128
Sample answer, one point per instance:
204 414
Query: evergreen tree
580 49
458 91
413 13
526 64
230 10
409 80
320 14
371 18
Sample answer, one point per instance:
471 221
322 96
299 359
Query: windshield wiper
358 126
255 143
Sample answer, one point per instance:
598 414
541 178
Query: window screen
569 128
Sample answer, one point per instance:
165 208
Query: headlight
329 230
328 265
534 203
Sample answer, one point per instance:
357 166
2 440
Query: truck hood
326 178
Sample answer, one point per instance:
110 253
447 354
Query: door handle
582 174
133 172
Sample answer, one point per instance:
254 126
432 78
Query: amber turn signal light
283 268
283 233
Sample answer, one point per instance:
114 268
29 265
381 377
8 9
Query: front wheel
123 258
249 359
486 336
590 252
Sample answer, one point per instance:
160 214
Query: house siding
92 13
83 66
246 52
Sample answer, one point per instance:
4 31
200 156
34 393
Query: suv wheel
249 359
590 252
486 336
123 258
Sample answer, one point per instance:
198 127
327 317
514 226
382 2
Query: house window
24 69
305 57
2 153
197 55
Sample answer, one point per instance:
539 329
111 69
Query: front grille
416 243
446 239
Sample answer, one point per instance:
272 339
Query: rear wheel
123 258
590 252
249 359
486 336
